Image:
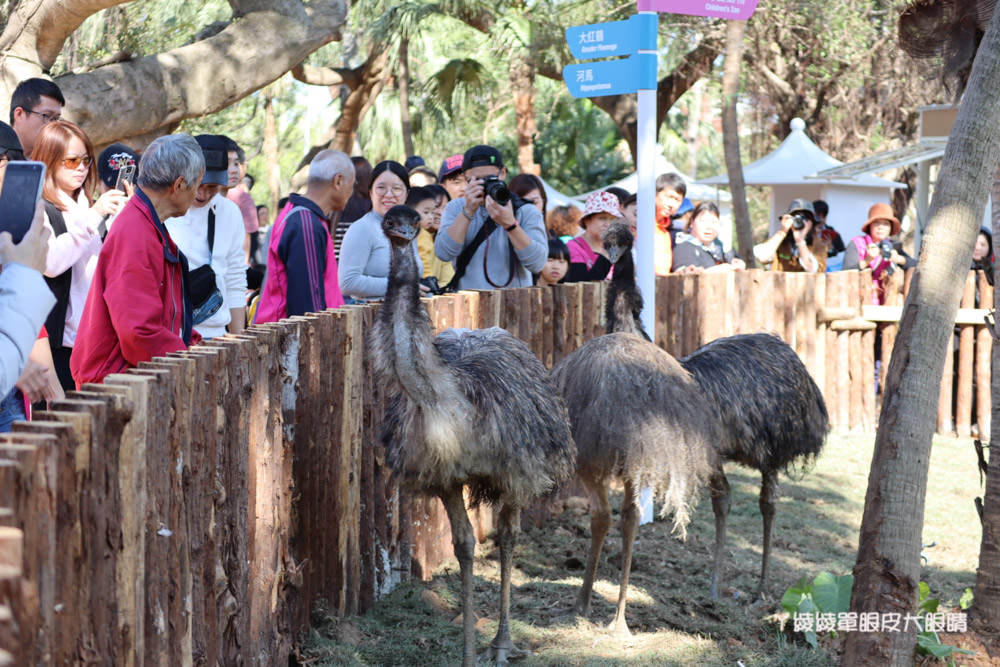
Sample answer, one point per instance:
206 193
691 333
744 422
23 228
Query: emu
636 416
771 415
473 408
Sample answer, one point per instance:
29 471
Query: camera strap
462 263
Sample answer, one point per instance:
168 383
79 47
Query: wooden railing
195 509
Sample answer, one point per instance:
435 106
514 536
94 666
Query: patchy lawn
673 620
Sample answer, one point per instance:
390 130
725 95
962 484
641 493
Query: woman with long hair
75 221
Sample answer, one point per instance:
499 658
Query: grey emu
636 416
473 408
771 413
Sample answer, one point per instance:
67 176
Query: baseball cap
802 206
412 162
449 166
9 143
214 148
113 158
482 156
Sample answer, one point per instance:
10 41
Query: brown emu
466 408
636 416
771 415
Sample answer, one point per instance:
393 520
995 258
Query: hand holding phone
21 190
126 174
34 246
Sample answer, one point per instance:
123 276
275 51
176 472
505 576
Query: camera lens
798 222
497 190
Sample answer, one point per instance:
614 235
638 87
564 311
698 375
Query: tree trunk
403 85
731 137
985 611
522 82
887 571
129 99
271 153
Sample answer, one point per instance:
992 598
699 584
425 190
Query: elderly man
137 307
301 265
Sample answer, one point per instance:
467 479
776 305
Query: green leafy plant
928 641
826 594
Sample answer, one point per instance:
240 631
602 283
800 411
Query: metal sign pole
645 194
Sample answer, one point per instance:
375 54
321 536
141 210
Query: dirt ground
672 618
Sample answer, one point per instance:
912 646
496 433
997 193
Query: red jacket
136 306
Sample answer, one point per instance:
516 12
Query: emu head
617 240
401 225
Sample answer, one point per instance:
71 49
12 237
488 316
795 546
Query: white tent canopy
795 170
555 198
696 191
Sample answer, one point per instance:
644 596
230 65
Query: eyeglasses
74 162
46 118
394 189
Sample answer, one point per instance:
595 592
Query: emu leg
719 486
769 492
600 522
502 648
630 521
464 543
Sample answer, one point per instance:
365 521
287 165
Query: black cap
482 156
413 162
214 148
802 206
113 158
10 145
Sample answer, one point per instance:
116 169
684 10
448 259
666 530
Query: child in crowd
557 264
670 192
588 259
427 201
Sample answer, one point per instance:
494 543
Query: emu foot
619 628
500 653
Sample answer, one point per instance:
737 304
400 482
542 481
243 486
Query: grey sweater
496 248
363 269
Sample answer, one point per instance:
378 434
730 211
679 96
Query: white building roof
799 161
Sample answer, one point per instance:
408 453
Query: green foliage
826 594
928 641
966 600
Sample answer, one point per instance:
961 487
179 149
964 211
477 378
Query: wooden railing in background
194 510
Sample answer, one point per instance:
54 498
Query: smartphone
22 187
125 173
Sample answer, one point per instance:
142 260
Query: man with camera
492 238
794 247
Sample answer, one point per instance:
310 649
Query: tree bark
271 153
129 99
403 86
985 611
731 137
522 82
887 571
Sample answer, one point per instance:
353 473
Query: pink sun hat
600 202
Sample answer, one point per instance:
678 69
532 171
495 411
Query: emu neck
624 301
405 333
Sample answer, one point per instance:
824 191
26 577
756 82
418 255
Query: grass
673 620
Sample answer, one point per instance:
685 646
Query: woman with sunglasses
70 177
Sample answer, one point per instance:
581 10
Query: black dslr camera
496 189
799 221
885 250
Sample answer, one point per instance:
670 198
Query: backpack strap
462 263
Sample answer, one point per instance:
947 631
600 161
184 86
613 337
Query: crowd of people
131 257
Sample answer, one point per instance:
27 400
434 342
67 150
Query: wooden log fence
193 511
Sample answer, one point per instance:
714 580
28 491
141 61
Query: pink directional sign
740 10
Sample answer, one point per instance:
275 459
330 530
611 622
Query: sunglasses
74 162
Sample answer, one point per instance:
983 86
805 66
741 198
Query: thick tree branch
327 76
200 78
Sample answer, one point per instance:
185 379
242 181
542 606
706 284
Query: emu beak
401 231
615 252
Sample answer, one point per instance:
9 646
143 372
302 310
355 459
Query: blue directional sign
614 38
611 77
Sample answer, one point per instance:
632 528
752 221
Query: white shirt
190 233
77 249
